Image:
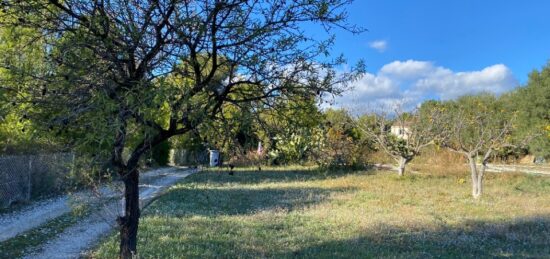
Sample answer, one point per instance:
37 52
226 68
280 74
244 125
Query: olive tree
476 127
399 134
121 76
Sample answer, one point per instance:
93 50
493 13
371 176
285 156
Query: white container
214 157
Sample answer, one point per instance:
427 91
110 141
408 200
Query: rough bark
130 221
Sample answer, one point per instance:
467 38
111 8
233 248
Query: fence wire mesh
24 176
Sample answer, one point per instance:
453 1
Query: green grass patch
299 213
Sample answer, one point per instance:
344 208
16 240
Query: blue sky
443 49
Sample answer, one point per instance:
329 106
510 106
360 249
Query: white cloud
410 82
380 45
409 69
495 79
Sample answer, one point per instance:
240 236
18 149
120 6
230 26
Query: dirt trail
529 169
38 213
495 168
78 238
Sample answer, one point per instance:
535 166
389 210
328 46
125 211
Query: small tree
476 126
415 130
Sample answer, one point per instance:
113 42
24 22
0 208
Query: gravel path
495 168
529 169
78 238
12 224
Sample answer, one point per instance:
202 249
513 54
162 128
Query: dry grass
307 213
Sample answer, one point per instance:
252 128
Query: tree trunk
477 178
402 163
479 185
480 175
129 222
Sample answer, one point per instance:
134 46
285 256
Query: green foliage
342 143
476 123
189 141
295 147
400 146
20 56
291 131
533 105
338 149
340 119
161 153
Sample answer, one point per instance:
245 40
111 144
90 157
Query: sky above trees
429 49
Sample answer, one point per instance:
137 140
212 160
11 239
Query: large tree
104 82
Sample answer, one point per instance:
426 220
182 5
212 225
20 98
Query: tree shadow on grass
276 176
295 238
520 238
188 200
218 193
175 232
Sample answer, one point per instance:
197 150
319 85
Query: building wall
400 131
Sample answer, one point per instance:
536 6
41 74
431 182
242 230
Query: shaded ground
303 213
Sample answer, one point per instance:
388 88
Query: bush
250 158
340 150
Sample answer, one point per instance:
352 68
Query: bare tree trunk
482 172
402 163
130 221
480 182
476 179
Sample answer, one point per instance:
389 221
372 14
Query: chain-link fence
23 177
26 176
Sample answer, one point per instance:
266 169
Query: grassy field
295 212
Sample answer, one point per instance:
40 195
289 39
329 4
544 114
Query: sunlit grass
309 213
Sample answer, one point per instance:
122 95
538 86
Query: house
401 129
